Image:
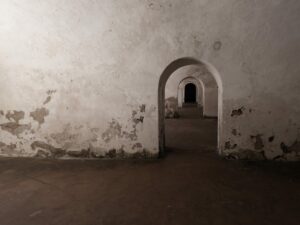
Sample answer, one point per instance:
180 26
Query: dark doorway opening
190 93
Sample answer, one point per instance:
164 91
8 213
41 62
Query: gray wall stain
39 115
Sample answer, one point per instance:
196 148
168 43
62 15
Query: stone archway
169 70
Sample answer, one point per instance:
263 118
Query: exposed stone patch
46 150
258 142
84 153
295 147
144 154
48 99
142 108
136 119
15 115
235 132
140 119
137 145
15 128
50 92
228 145
271 139
245 154
114 131
5 148
65 138
237 112
111 153
39 115
284 147
121 154
42 154
1 113
130 135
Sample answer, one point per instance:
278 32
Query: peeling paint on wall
66 137
84 153
113 131
258 142
237 112
245 154
15 128
7 148
112 86
229 145
295 147
48 99
15 115
45 150
39 115
271 139
116 131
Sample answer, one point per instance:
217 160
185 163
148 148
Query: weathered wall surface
80 78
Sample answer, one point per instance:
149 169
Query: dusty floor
192 185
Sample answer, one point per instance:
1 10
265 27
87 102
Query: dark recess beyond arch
190 92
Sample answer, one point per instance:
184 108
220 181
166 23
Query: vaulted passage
190 129
180 82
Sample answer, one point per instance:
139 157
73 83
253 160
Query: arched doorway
190 92
169 70
200 91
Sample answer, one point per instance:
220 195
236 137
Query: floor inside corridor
191 185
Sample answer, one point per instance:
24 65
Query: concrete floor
192 185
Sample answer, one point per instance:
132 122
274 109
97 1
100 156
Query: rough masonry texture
80 79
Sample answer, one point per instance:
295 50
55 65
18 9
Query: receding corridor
191 185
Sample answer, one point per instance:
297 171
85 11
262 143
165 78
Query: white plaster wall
210 108
100 63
